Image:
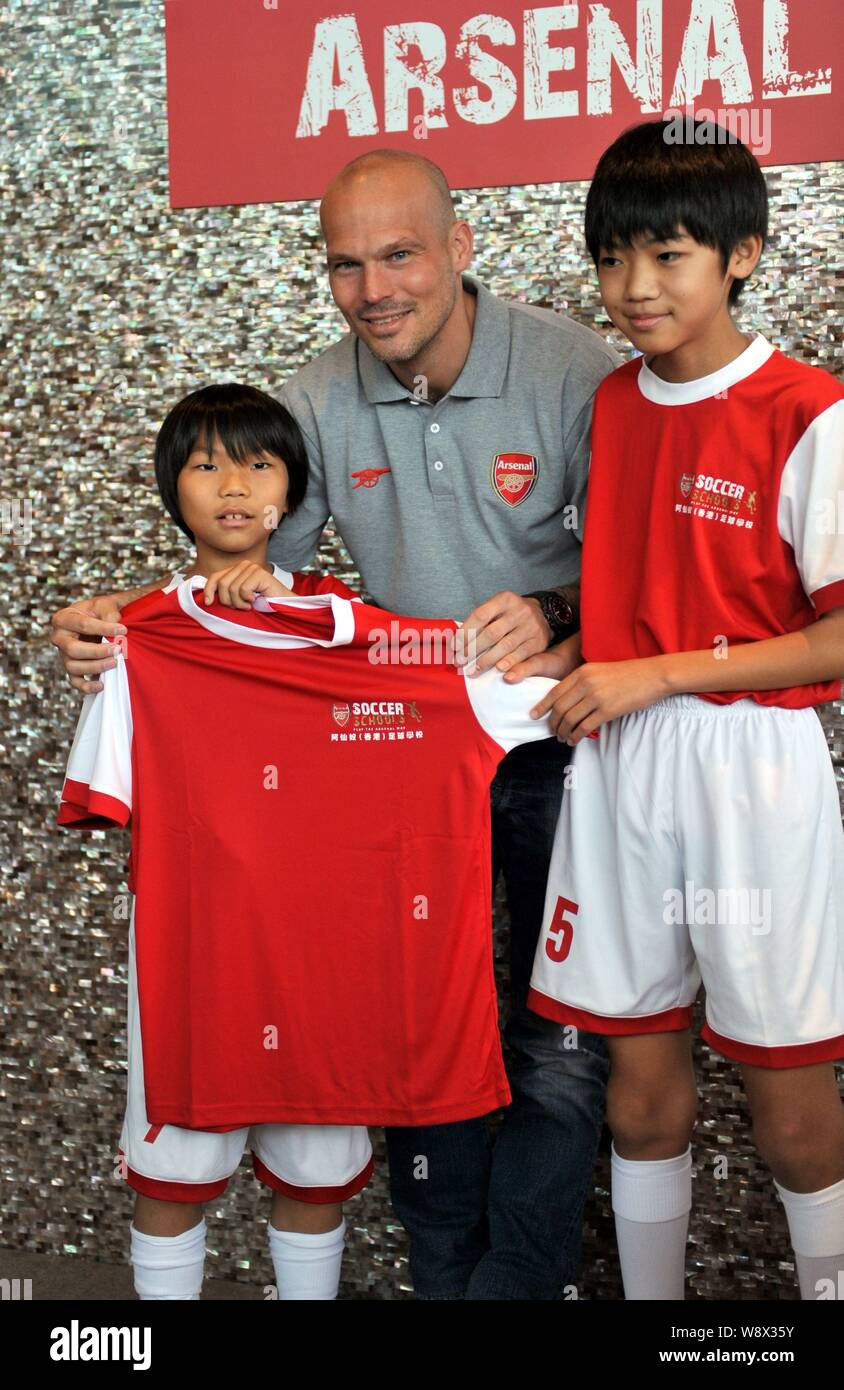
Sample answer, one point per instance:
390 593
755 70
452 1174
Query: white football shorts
700 842
311 1163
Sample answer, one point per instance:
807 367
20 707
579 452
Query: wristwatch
557 611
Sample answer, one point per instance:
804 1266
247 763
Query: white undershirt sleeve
97 789
502 708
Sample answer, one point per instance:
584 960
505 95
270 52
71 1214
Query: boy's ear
745 257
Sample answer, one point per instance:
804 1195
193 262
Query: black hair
649 182
247 421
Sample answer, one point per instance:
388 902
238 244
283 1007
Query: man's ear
462 243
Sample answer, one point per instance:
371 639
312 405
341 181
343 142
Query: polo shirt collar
484 370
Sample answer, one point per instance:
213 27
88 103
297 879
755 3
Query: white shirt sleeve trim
811 488
502 708
101 753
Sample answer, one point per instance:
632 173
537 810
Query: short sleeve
578 458
578 401
294 541
810 490
97 789
503 708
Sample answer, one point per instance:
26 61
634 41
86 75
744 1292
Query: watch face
561 610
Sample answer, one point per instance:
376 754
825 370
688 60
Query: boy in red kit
703 841
298 805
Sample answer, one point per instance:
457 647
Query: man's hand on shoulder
77 632
237 585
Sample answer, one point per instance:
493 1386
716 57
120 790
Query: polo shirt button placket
440 486
440 483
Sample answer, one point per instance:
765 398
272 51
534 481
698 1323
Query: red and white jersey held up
311 858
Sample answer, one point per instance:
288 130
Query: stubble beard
387 353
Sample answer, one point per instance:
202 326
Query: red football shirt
712 515
308 790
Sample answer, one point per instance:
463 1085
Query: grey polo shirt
442 505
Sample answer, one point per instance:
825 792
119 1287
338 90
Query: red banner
267 99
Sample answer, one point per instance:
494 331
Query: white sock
652 1201
168 1267
307 1266
816 1227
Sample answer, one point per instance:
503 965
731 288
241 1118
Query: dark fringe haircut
247 421
645 184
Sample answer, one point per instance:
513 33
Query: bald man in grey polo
427 497
443 504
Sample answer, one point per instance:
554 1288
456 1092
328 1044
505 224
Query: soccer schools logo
376 721
399 721
717 499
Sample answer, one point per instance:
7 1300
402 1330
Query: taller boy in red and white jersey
704 838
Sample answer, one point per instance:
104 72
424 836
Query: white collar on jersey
705 387
283 576
341 608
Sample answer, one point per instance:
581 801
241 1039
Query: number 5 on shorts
561 930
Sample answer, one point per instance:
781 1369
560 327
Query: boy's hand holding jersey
599 691
237 585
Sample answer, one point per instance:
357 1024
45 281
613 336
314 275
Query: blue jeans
504 1221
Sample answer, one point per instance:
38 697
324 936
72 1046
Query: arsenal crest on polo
514 476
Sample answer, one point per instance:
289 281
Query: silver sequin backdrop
113 307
